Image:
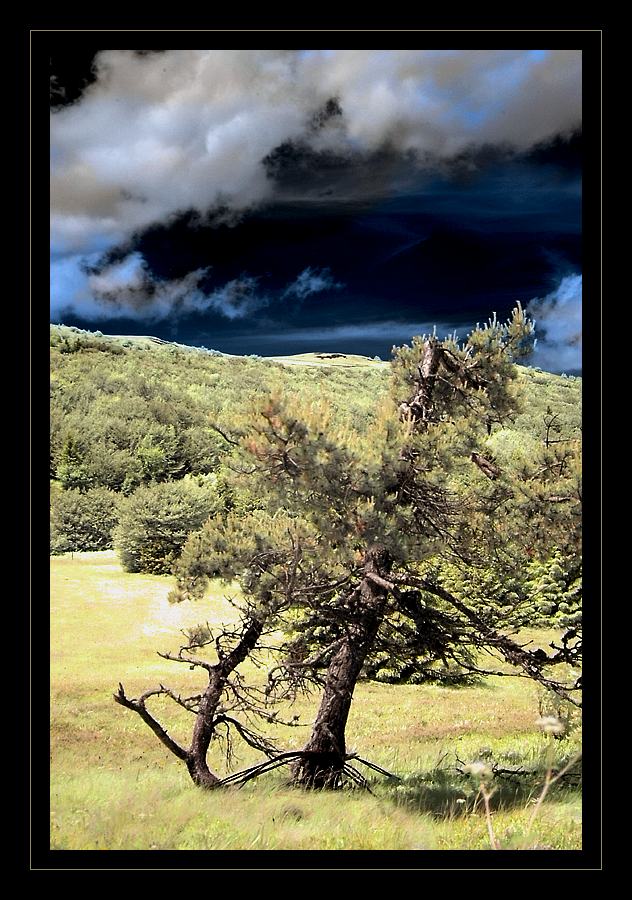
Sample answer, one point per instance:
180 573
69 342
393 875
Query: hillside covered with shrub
141 432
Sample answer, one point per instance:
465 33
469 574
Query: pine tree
364 544
71 469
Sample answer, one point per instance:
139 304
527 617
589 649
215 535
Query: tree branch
191 661
257 741
531 662
224 435
139 707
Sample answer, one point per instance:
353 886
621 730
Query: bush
71 469
82 521
155 520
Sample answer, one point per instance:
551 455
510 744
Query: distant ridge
149 342
320 358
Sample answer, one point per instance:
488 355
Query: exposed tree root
347 771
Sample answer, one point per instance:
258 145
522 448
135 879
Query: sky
274 202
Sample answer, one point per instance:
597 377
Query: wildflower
550 725
478 769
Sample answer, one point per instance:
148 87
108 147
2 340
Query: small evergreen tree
71 469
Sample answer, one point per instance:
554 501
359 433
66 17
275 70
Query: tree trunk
206 717
420 407
325 752
202 734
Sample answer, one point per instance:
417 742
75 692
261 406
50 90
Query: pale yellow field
350 360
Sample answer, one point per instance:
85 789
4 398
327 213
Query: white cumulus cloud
183 130
558 318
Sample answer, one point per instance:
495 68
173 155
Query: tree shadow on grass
445 792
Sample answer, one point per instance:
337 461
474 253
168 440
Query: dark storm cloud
449 254
239 191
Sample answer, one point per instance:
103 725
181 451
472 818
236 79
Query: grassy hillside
124 399
114 786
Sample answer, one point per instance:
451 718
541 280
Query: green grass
115 787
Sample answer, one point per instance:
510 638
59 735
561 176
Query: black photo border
33 43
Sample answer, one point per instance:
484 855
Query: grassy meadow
115 787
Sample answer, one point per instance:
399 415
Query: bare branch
487 467
139 707
532 662
382 582
257 741
224 435
190 661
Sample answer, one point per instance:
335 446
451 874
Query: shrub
155 520
71 469
82 521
